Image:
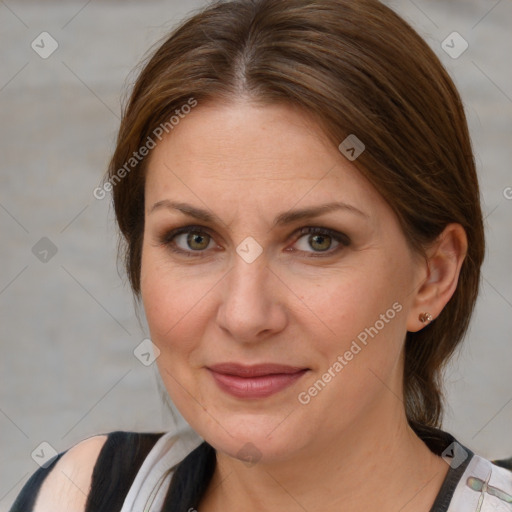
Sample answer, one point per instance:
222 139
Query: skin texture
296 305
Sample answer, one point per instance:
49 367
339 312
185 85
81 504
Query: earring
425 318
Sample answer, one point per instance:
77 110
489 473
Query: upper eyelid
173 233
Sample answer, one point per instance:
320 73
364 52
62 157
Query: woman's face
252 285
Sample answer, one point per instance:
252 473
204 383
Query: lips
255 381
256 370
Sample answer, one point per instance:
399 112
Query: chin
252 439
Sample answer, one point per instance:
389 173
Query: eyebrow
282 219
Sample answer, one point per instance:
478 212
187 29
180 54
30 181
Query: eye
321 240
187 240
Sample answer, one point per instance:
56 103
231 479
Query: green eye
197 241
321 240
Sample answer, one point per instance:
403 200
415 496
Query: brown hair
358 68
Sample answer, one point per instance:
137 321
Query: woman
295 187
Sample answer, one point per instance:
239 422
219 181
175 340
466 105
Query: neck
380 461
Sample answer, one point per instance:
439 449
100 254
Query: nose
252 305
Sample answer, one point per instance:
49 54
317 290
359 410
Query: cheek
346 303
172 304
175 303
357 344
357 365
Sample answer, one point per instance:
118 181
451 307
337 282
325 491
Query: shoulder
68 484
102 465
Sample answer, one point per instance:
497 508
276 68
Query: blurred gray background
68 327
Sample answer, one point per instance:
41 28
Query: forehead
263 156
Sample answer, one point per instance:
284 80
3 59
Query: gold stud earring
425 318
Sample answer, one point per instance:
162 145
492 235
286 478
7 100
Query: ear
440 275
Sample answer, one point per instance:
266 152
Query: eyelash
167 239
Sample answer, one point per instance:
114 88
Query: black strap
190 479
117 466
27 497
438 441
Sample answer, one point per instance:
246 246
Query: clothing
134 470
